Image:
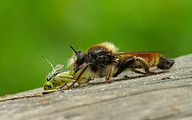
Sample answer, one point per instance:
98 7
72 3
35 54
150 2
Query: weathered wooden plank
163 96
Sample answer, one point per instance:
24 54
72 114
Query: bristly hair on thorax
109 46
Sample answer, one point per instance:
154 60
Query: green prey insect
58 79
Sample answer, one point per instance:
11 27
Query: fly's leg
109 73
85 80
79 75
126 64
145 66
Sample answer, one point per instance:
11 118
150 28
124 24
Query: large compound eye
50 76
80 58
49 86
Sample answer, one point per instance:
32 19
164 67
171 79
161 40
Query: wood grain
131 96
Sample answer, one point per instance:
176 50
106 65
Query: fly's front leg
79 76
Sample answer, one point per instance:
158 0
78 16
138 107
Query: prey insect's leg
126 64
107 80
80 74
62 86
86 81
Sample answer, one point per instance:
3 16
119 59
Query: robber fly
58 79
103 60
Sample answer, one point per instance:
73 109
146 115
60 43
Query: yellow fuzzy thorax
109 46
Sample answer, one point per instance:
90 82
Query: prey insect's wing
57 67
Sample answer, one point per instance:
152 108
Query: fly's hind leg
126 64
145 66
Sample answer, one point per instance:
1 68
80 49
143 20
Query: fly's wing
140 52
136 53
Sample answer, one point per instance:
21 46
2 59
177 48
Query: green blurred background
30 28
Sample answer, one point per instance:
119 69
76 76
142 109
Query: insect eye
48 78
49 86
45 87
80 58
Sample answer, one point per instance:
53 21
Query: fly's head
78 59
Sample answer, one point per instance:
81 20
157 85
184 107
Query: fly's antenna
47 61
73 49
